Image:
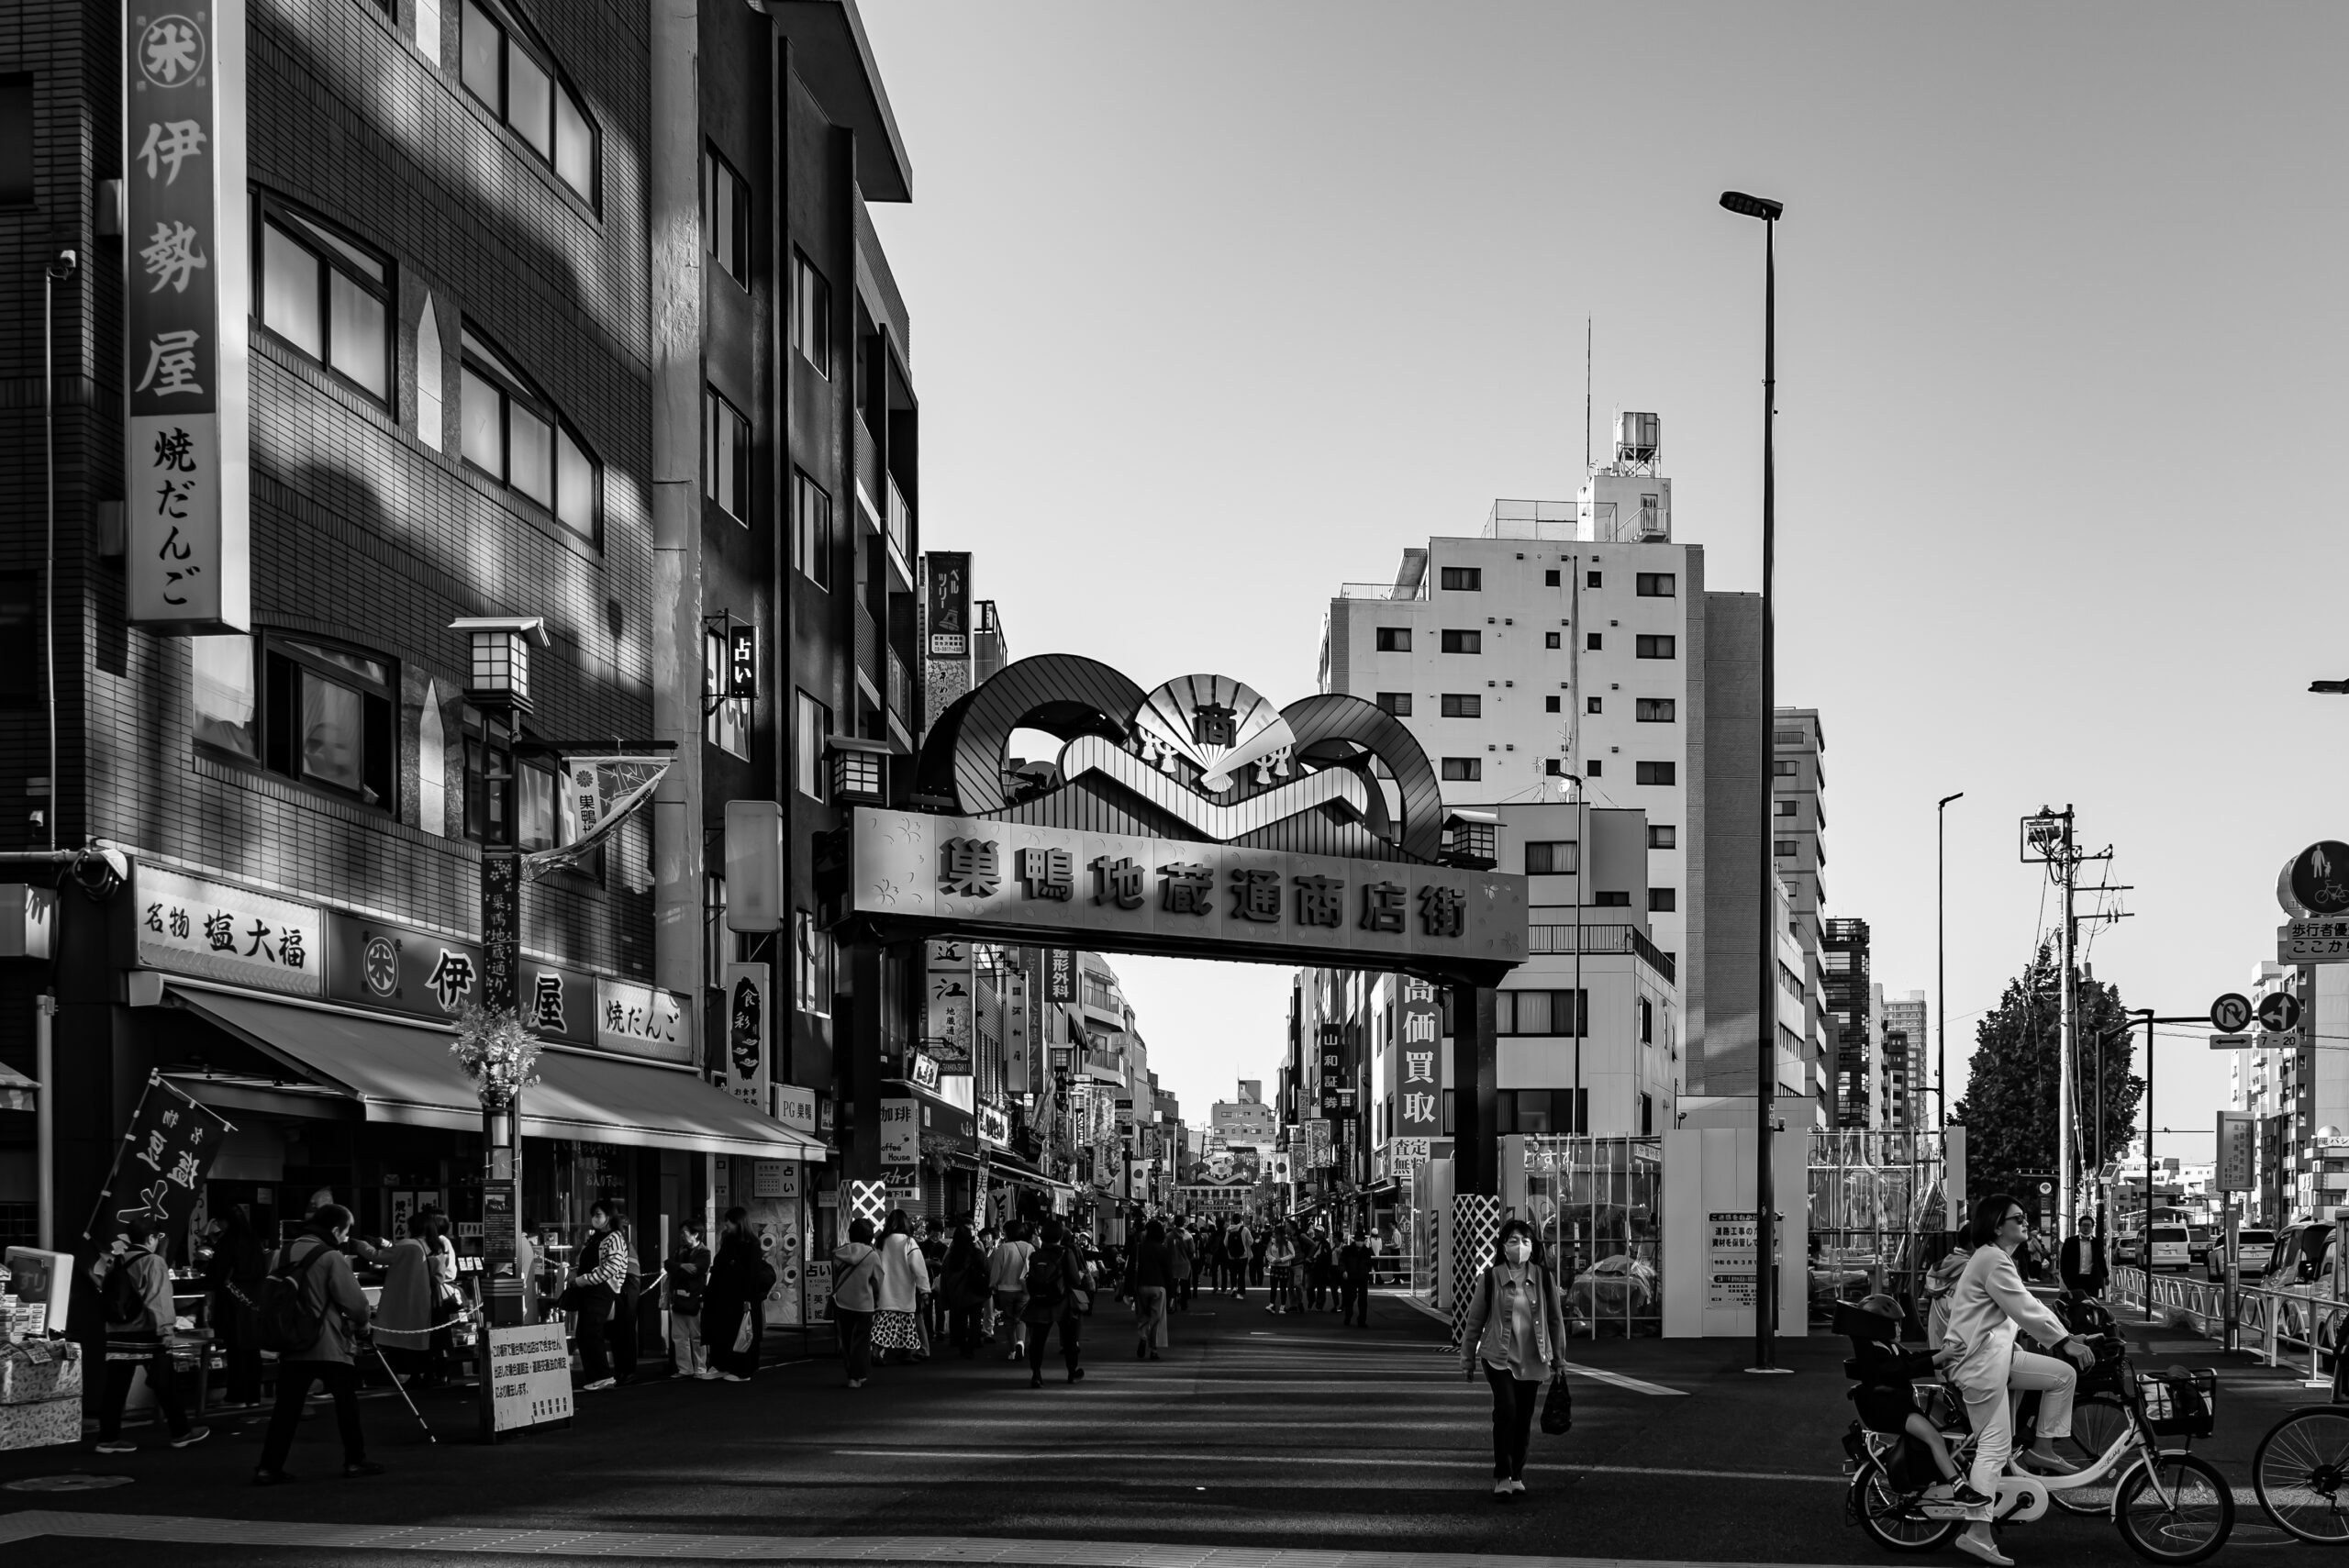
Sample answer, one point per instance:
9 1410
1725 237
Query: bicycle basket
2179 1404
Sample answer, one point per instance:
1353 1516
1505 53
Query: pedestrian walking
905 1280
856 1280
134 1283
963 1286
1181 1256
404 1307
1516 1330
733 1310
448 1297
592 1296
233 1276
1236 1247
1259 1244
1354 1263
1280 1268
1320 1265
2082 1261
688 1271
320 1274
1008 1278
932 1314
1057 1294
1150 1276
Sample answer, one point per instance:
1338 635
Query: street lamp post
1941 957
1766 1015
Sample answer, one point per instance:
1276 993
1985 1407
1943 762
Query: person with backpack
135 1291
688 1271
1354 1280
315 1317
733 1312
856 1279
1236 1247
598 1278
1008 1277
1516 1330
1056 1293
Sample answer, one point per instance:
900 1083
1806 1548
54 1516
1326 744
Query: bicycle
2301 1470
2168 1504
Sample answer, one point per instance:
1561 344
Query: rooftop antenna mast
1586 395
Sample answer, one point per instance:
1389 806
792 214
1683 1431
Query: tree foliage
2008 1110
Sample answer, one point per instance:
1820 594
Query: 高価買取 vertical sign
1418 1073
185 287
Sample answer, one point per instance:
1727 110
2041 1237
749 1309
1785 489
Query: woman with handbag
733 1310
905 1279
688 1271
1515 1329
856 1278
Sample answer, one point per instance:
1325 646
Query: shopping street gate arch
1193 820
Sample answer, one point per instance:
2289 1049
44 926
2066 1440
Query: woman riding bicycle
1987 1307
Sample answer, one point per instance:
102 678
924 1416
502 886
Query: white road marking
1615 1379
1225 1456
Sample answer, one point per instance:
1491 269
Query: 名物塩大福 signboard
1127 893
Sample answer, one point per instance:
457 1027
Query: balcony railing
901 522
900 689
1381 591
1608 939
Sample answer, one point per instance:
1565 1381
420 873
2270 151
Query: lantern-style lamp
859 770
1470 840
501 665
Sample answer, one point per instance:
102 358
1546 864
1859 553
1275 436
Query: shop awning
16 1091
402 1073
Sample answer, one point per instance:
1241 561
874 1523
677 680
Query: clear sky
1217 305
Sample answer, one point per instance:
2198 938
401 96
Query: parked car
2254 1254
2169 1246
2197 1242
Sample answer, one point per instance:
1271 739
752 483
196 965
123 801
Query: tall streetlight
1940 957
1766 925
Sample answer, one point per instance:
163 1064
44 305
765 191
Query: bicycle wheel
2098 1422
1890 1516
2300 1474
2194 1522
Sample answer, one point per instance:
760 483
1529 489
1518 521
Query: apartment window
1663 837
1393 640
726 216
543 814
1655 584
1463 579
1463 642
1615 900
1785 847
1784 767
1593 641
1552 857
726 457
17 139
1656 647
1541 1012
1550 579
1593 768
1594 705
514 435
718 944
811 533
1552 639
1655 711
1555 767
1397 703
327 712
1463 770
1662 900
519 85
811 315
1549 705
1591 581
326 297
811 725
1647 1023
489 779
1647 1113
1655 772
1463 705
1786 807
226 704
1788 736
726 725
815 963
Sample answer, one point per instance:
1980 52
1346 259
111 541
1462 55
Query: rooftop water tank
1639 437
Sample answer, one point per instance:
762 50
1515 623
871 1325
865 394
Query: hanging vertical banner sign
948 1024
950 603
501 927
1019 1033
1060 976
184 252
748 1021
1418 1086
166 1156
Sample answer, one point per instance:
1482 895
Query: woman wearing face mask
1515 1329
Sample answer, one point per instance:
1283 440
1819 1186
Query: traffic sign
2324 940
2279 1011
2319 877
2231 1012
2232 1042
2289 1040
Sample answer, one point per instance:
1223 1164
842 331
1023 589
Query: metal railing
1601 939
1382 591
2284 1325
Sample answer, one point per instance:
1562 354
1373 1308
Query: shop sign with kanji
193 925
166 1153
642 1020
1022 882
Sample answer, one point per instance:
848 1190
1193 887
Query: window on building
1550 578
1397 703
1661 836
1591 580
1549 704
1655 711
16 138
811 539
1552 639
1787 807
1594 705
1593 768
1655 772
1393 640
726 216
811 727
516 81
1541 1012
1662 900
1617 899
1463 579
1463 770
1785 847
1463 642
1594 642
1655 584
226 706
514 435
543 816
811 315
1656 647
1784 767
1788 736
327 712
489 779
1552 856
1463 705
816 962
1647 1116
726 457
726 725
327 296
718 943
1647 1023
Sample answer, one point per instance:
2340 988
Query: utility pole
2070 866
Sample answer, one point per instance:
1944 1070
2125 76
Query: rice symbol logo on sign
171 51
379 965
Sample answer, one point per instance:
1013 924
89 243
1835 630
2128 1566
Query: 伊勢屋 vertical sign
185 283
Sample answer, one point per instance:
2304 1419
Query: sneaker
599 1383
191 1437
1987 1551
1964 1492
1035 1380
1517 1484
856 1383
1501 1492
364 1468
706 1376
1077 1374
118 1445
732 1378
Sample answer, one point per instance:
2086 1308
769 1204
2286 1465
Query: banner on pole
163 1160
598 793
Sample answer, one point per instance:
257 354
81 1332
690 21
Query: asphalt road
1275 1434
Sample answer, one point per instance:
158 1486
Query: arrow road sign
2278 1011
2232 1042
2231 1013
